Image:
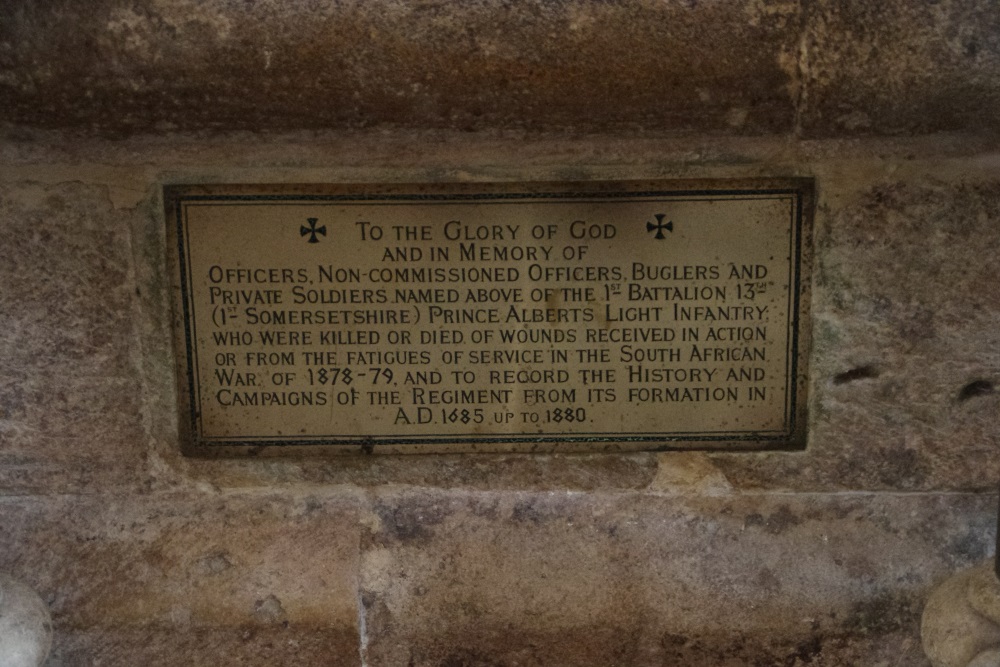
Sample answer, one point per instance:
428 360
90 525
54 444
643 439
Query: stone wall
823 557
819 557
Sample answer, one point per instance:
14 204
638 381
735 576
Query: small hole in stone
977 388
860 373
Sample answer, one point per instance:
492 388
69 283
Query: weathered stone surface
70 401
818 68
904 380
898 66
216 578
539 579
162 65
168 646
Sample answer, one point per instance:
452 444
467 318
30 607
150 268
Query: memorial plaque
491 317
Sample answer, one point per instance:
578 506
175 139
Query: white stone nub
961 622
25 625
990 658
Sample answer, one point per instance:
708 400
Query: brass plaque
491 317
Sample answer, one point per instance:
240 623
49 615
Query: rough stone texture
70 400
533 579
490 578
906 333
897 66
216 579
813 68
122 67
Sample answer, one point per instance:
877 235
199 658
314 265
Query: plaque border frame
794 437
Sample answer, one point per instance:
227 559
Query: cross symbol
312 230
660 226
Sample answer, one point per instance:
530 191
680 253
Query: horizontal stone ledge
737 67
157 66
531 578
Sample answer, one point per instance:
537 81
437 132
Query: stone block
195 580
897 66
541 579
71 400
